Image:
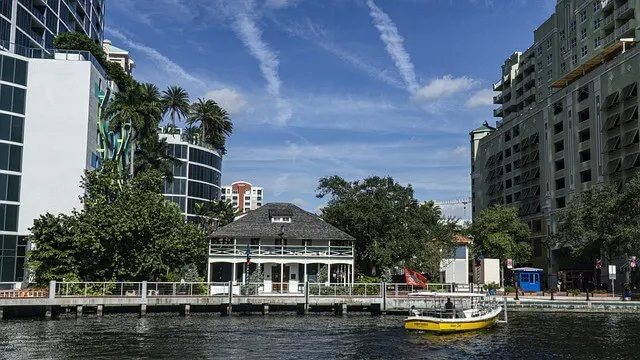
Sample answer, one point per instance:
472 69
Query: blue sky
346 87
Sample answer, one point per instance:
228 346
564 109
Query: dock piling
78 311
99 310
143 310
504 301
185 309
265 308
1 313
48 312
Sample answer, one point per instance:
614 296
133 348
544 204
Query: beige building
117 55
568 110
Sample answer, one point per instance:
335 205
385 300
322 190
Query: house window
574 43
583 15
281 219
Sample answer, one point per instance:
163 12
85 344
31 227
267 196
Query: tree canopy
124 232
497 232
390 226
601 220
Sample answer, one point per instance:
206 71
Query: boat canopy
445 295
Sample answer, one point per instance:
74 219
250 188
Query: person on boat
449 307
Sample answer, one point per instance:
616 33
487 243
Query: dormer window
281 219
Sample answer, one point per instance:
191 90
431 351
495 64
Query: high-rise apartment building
243 196
197 179
569 119
47 136
120 56
28 24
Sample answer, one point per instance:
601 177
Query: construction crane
464 203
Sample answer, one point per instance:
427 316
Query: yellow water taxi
453 312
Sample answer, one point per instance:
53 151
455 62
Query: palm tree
175 102
214 121
152 154
139 107
192 133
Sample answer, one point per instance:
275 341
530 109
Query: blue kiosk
528 278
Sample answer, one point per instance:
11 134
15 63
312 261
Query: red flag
414 278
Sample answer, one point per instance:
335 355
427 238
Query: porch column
348 277
329 273
305 273
233 272
353 274
281 277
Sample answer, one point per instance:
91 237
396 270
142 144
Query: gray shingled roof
304 225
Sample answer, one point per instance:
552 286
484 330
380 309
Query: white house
288 244
455 268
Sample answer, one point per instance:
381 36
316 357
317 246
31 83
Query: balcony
627 29
497 99
280 251
498 112
498 86
38 15
608 22
609 40
625 11
607 5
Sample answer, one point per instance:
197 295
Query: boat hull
450 325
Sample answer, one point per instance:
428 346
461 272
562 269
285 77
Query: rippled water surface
526 336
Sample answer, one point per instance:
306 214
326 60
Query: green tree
390 226
139 106
175 102
153 154
208 214
215 124
125 232
601 221
499 233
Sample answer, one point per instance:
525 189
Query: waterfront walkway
227 298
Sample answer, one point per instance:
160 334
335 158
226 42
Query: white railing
281 250
267 288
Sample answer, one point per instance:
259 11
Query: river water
281 336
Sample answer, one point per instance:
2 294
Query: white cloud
460 150
251 37
279 4
300 203
231 100
394 44
444 87
167 64
482 97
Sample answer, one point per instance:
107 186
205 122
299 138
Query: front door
280 283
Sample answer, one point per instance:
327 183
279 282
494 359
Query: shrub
573 292
509 289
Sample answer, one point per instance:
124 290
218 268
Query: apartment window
507 135
583 34
573 25
563 50
508 183
540 81
549 59
583 115
584 135
562 37
563 67
560 184
597 5
539 66
574 43
507 152
560 203
559 164
516 130
585 176
557 128
509 199
583 16
585 155
557 108
549 75
596 23
574 59
507 168
597 42
559 146
539 51
584 51
549 43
